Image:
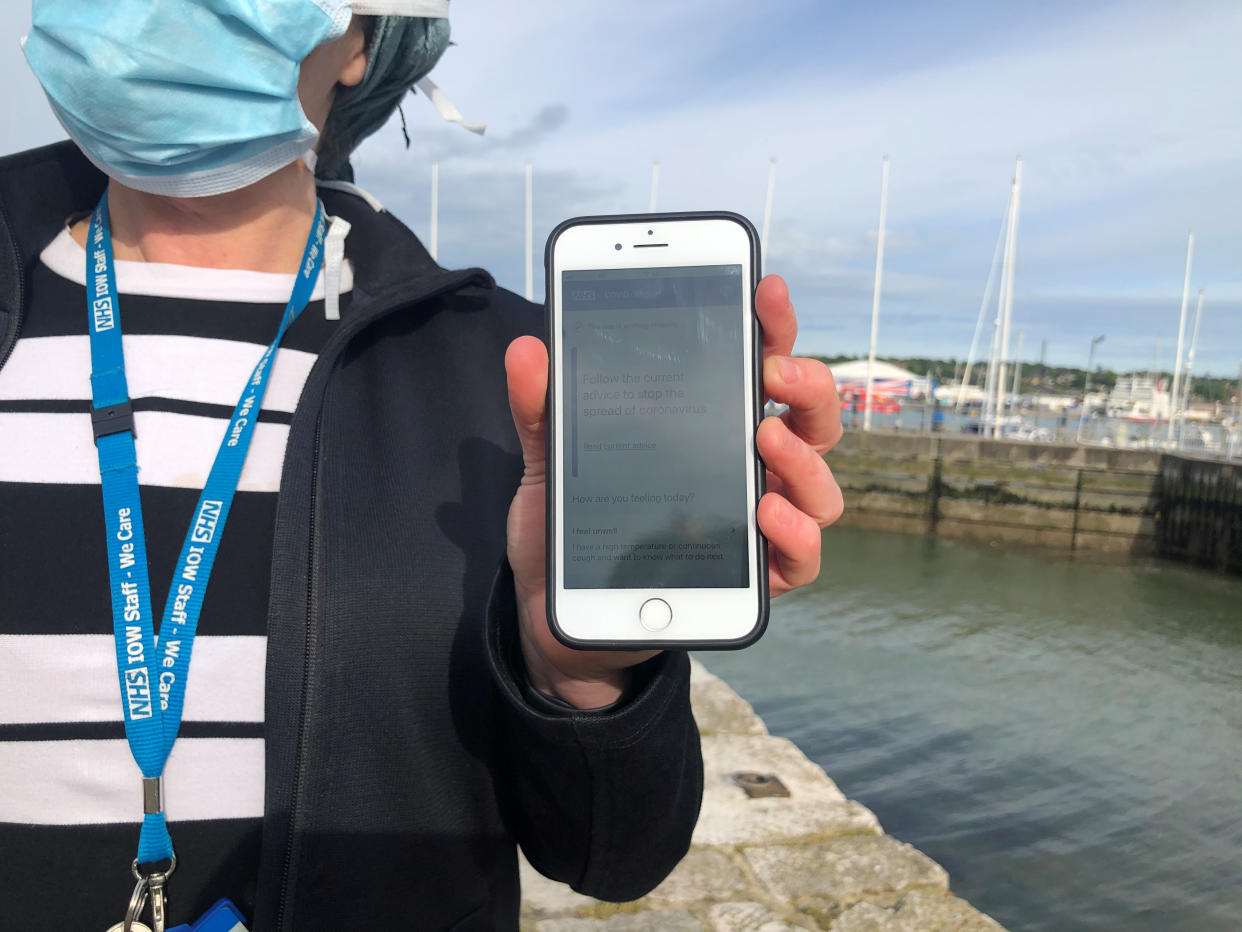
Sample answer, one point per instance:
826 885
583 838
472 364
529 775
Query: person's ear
355 67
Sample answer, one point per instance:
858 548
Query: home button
655 614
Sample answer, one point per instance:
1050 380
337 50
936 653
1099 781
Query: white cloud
1126 115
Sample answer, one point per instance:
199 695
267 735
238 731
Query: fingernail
788 369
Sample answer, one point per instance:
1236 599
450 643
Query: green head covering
400 51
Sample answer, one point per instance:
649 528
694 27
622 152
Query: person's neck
262 227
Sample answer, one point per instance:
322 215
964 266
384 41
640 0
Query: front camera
617 247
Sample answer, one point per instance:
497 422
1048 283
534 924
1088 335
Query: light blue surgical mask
185 98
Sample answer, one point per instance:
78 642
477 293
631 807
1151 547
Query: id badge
222 917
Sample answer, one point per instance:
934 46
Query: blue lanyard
153 685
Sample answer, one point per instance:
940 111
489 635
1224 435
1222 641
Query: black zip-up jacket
406 752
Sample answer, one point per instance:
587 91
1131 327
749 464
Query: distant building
975 395
1053 402
1138 398
950 392
887 380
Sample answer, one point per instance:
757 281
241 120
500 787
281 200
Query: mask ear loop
445 107
333 257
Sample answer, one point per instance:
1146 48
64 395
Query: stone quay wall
809 860
1057 496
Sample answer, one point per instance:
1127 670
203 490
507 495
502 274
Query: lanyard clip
114 419
155 886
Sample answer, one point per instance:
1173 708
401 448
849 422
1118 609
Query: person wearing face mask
197 334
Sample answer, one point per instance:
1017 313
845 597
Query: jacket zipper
19 311
311 579
336 346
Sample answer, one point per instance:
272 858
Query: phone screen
654 424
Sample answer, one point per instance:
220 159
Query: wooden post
933 493
1077 505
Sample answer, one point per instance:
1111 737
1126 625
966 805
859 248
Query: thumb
526 368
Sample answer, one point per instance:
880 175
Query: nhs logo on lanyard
102 309
205 523
101 305
138 692
136 678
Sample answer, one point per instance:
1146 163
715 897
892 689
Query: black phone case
761 560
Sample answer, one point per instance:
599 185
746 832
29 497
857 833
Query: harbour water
1065 738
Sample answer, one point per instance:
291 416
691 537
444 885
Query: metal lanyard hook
149 887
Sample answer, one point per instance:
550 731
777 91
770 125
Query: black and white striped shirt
71 801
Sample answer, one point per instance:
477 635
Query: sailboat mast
530 236
875 298
1007 289
989 404
983 310
767 211
1190 357
434 238
1017 367
1181 334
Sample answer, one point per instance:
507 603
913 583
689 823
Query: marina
1196 436
1138 412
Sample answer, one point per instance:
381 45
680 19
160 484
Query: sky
1128 117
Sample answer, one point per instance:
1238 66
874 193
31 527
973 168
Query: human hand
587 679
802 496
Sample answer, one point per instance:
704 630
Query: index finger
807 387
776 316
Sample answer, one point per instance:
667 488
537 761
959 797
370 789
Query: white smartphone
654 396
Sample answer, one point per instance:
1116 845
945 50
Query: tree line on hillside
1053 380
